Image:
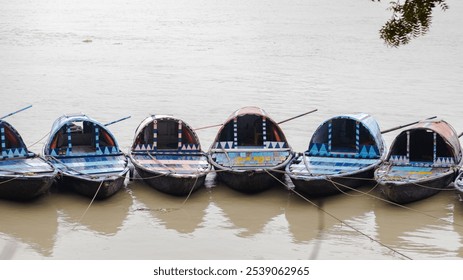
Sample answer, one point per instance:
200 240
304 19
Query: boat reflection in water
182 214
424 229
103 217
248 213
458 221
35 224
308 222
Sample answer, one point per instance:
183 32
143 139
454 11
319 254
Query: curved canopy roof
188 135
328 134
250 128
443 129
12 144
65 120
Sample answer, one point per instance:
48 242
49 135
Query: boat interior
84 136
421 146
251 130
170 135
339 136
11 143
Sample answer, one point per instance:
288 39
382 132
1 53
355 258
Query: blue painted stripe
330 166
327 160
411 168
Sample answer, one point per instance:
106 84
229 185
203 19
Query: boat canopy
428 143
250 127
165 134
350 135
77 135
12 145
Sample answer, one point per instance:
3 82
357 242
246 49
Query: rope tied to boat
402 206
74 170
191 190
36 142
336 184
91 202
9 180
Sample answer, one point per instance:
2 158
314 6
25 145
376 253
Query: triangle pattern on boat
364 152
313 150
323 150
373 152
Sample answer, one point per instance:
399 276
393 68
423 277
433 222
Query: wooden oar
404 125
298 116
116 121
15 112
292 118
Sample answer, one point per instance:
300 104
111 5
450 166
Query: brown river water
200 60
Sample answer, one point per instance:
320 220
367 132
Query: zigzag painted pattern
366 151
99 151
12 153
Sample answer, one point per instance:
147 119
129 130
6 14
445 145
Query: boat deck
179 164
91 165
24 165
254 158
405 172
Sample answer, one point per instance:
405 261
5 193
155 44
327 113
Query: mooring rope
446 188
191 191
91 202
339 220
9 180
399 205
36 142
71 169
388 201
335 184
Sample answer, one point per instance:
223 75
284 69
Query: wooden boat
23 174
166 153
343 152
459 185
422 161
87 155
250 151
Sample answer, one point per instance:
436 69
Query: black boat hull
326 186
251 181
25 188
402 193
173 185
97 188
